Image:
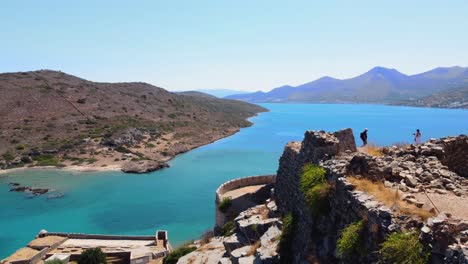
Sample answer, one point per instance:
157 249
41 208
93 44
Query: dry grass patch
264 212
372 150
389 197
253 248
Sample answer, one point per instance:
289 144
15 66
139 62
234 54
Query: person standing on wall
417 137
364 137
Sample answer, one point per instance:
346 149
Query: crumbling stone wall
316 146
454 154
435 166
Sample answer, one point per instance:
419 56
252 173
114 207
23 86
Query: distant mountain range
379 85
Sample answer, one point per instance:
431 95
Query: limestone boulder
143 166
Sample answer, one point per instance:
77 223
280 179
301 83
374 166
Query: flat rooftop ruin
69 246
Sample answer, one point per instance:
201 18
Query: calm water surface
181 198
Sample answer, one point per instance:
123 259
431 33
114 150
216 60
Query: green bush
228 229
312 175
8 156
315 188
46 160
287 234
405 248
174 256
91 160
317 199
225 204
20 147
92 256
351 241
122 149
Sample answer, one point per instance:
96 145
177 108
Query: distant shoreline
363 103
74 168
113 166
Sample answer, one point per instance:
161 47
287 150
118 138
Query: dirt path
449 203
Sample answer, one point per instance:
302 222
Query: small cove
181 198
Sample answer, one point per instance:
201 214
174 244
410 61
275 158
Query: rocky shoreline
16 187
126 162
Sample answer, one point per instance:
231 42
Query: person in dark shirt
364 137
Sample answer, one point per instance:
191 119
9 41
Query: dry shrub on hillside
389 197
372 150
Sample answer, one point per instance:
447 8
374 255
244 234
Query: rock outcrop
16 187
410 175
253 239
143 166
436 167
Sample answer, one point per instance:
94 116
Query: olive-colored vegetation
351 241
225 204
228 229
402 248
174 256
92 256
315 188
287 234
46 160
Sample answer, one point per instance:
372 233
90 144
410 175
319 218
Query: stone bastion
242 193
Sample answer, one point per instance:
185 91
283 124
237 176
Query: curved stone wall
245 201
243 182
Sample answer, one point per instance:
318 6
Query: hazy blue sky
246 45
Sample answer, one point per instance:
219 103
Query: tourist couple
417 137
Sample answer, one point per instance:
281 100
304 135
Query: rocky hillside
378 85
334 203
52 118
400 205
452 98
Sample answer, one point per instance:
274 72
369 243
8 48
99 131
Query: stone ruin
436 167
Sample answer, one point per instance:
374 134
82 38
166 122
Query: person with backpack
364 137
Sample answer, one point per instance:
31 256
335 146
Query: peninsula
50 118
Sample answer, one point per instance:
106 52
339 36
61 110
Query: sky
243 45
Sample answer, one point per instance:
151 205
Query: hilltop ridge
53 118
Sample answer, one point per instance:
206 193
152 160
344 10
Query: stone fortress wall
336 152
244 201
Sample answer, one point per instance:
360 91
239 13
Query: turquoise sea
181 198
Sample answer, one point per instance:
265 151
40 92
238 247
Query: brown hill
52 118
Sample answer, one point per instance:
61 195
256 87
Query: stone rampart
243 182
411 168
245 201
96 236
316 146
